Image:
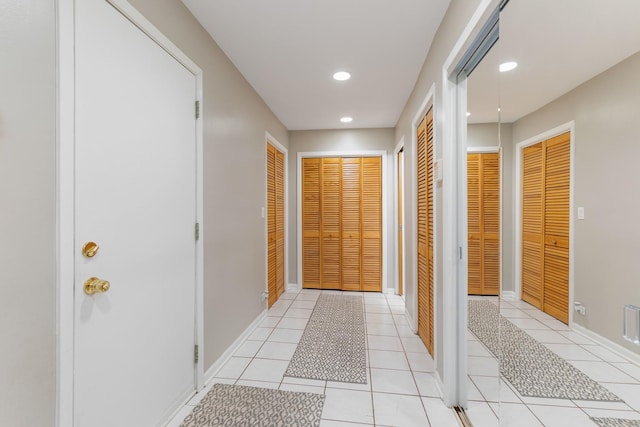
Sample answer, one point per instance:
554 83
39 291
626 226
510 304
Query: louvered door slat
556 227
331 189
271 226
311 224
424 167
490 223
372 224
532 223
474 231
351 223
280 223
430 198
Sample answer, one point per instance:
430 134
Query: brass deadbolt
90 249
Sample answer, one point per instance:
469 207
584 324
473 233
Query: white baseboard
608 344
389 291
213 369
439 385
412 323
508 295
292 287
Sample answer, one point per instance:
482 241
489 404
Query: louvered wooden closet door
532 234
351 223
372 224
545 226
331 218
424 158
311 224
271 225
474 221
490 223
556 227
483 200
280 231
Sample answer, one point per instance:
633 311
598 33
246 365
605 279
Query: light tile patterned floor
401 387
499 400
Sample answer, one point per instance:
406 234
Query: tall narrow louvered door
351 222
545 225
483 204
371 224
271 225
556 227
275 223
280 223
424 157
342 223
331 195
311 223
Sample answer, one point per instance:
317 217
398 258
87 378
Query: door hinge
197 231
196 354
197 109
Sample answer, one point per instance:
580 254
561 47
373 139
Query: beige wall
336 141
27 213
607 149
453 24
235 121
486 135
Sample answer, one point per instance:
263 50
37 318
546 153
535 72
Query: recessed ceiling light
342 76
468 114
508 66
346 119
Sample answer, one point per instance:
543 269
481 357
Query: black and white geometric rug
242 406
333 345
532 368
615 422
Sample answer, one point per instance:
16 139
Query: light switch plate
580 213
262 212
437 170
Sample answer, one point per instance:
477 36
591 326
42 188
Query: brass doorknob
90 249
96 286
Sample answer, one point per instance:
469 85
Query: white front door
135 193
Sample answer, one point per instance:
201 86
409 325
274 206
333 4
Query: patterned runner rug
615 422
333 345
242 406
532 368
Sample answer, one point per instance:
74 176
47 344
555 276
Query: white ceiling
288 50
558 46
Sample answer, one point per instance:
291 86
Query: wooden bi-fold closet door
424 156
275 223
483 206
545 225
342 223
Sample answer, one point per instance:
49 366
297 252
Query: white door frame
396 232
270 139
496 149
427 103
454 223
558 130
65 212
351 153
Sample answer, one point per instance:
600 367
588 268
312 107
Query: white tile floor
401 387
506 404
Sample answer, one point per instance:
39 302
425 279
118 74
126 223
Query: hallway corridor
401 387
